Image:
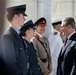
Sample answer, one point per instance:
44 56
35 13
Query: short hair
69 21
22 32
10 16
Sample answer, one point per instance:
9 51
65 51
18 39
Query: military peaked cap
41 21
28 24
56 23
17 9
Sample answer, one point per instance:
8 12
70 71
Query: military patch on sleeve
55 33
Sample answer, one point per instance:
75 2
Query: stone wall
34 9
63 8
50 9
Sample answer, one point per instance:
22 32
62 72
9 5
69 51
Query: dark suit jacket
14 53
34 67
67 59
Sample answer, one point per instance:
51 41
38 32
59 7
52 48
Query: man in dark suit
67 57
13 46
27 32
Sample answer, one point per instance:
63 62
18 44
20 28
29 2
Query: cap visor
34 28
42 25
24 14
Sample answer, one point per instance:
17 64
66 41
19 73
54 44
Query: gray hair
69 21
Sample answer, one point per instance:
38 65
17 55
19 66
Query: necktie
64 43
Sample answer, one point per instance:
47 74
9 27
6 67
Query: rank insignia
55 33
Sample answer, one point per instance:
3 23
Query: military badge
43 21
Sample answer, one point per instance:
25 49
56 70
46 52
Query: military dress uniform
14 52
32 63
55 43
33 66
13 46
42 47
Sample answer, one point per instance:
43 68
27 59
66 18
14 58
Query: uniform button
20 48
38 68
38 63
27 65
26 50
27 56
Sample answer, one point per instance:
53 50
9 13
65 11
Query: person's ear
69 26
27 31
15 16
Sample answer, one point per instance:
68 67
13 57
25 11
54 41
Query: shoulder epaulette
55 33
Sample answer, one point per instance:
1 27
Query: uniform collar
27 40
57 31
18 32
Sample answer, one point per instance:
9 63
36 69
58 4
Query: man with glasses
67 56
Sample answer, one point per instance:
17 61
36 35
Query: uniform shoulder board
55 33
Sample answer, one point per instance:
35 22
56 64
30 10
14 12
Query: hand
47 72
50 70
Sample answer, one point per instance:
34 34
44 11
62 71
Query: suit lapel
69 42
65 47
70 45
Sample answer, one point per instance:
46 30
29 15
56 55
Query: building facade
50 9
